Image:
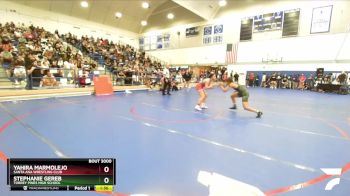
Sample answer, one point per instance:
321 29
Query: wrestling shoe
204 107
233 107
198 108
259 114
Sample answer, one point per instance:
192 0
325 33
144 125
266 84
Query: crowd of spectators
128 66
221 73
300 81
32 53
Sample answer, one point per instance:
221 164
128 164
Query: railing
70 78
62 78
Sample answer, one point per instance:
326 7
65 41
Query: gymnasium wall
317 48
63 23
306 47
214 54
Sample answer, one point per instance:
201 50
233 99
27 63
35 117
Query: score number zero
105 169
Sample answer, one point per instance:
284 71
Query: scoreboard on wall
287 21
93 174
268 22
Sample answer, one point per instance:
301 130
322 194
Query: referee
167 80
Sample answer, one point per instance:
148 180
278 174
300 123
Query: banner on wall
159 42
218 29
207 33
193 31
321 19
213 34
141 43
166 40
155 42
218 34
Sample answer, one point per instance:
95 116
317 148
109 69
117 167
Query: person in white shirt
263 80
166 80
178 78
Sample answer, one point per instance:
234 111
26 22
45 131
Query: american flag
231 53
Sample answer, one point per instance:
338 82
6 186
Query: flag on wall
231 53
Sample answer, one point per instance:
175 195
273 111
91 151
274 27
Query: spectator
263 80
256 80
290 82
187 77
35 75
310 82
342 78
273 81
295 81
48 80
302 79
174 86
236 77
251 79
19 71
178 78
284 81
279 80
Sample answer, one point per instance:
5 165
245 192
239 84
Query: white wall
63 23
214 54
306 47
315 48
321 47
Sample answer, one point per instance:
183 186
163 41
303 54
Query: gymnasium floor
161 143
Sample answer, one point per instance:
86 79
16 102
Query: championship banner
193 31
321 19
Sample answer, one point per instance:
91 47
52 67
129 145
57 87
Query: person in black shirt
236 77
128 77
166 80
187 76
273 81
257 80
35 73
28 64
284 81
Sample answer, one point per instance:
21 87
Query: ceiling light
84 4
143 23
171 16
222 3
118 15
145 5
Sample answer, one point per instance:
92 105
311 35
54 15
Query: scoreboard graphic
93 174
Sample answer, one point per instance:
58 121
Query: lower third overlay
91 174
